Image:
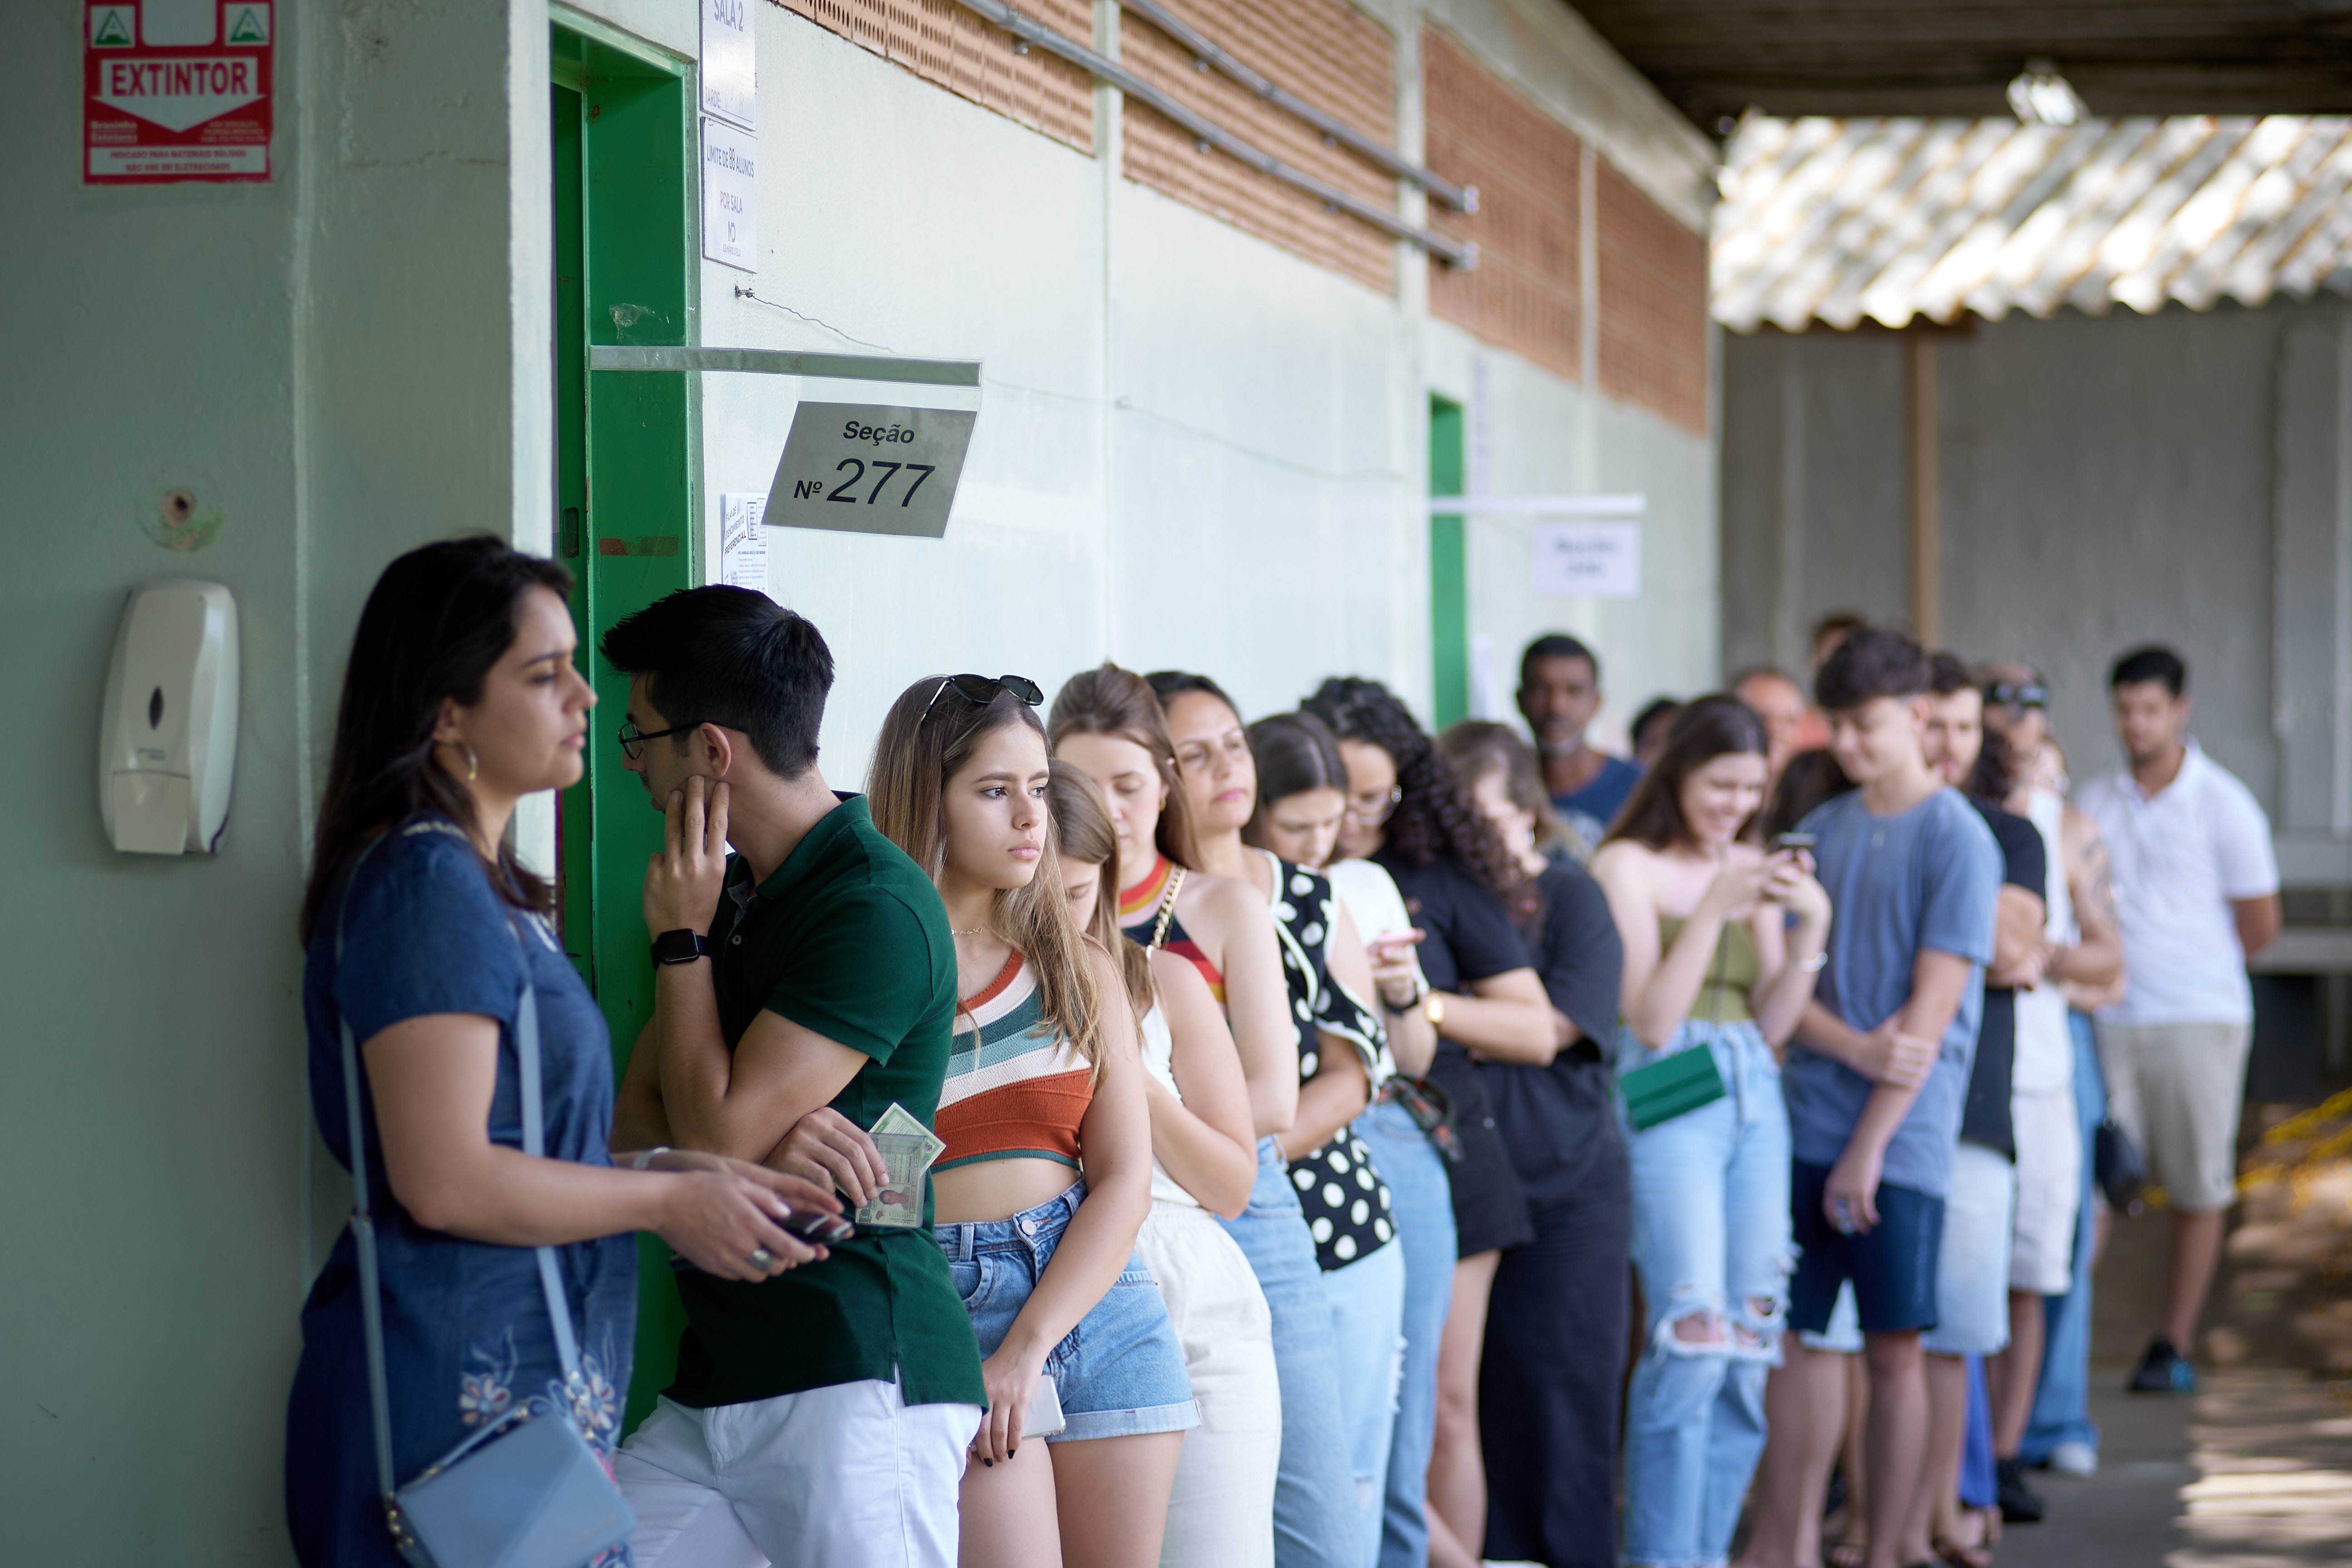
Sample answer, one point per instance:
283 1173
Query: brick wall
1326 51
941 42
1653 305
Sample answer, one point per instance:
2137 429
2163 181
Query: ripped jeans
1711 1247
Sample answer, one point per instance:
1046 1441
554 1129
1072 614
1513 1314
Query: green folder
1671 1087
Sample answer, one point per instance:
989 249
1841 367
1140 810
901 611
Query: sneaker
2020 1504
2163 1370
2073 1459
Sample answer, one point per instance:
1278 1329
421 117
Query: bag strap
363 1221
1168 905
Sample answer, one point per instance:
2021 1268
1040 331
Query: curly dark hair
1434 815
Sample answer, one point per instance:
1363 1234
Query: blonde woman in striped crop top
1044 1083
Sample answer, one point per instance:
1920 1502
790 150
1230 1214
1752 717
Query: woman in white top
1204 1162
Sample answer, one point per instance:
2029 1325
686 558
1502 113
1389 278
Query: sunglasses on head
979 690
2018 693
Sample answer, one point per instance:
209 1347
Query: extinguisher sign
183 97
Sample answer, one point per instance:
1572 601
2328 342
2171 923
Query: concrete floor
2254 1472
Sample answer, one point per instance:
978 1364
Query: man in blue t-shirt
1877 1076
1560 694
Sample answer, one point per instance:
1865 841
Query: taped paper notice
1596 560
742 542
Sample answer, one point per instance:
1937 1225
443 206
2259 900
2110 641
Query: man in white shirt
2197 888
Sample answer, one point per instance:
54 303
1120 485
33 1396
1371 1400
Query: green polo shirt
848 938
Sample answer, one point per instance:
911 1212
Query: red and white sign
176 101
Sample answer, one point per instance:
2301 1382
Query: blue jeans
1421 1197
1367 1331
1711 1237
2062 1400
1316 1524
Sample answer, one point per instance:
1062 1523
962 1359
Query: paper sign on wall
742 545
1597 560
731 212
730 82
862 468
176 90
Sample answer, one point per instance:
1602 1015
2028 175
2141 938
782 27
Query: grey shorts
2176 1089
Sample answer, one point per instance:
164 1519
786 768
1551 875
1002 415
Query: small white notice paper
1596 560
728 81
742 542
731 211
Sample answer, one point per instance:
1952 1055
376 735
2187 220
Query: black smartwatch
679 947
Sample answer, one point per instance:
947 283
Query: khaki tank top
1731 971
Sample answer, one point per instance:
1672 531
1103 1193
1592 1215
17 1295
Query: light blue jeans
1711 1237
1422 1198
1315 1521
2062 1400
1367 1331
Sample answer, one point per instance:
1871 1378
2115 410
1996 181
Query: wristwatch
680 946
1433 1004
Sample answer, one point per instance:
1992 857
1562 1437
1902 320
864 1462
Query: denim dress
466 1336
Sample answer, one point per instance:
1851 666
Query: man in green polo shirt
803 986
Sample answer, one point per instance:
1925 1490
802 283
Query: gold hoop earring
473 765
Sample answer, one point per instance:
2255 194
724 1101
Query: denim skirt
1120 1373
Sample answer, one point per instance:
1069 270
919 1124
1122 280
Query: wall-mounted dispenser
167 737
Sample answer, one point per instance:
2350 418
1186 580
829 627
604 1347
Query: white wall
1194 449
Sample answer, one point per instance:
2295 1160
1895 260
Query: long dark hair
1717 724
436 622
1294 752
1434 815
1477 747
1807 780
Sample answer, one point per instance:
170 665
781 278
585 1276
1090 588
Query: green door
623 130
1449 576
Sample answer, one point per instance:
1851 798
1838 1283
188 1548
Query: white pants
1973 1270
847 1477
2049 1191
1221 1511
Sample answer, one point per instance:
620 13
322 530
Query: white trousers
847 1477
1221 1514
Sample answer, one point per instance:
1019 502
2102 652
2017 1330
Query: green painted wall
1449 578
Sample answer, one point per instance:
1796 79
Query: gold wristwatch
1434 1006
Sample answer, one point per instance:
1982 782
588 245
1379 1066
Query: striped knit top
1016 1088
1138 917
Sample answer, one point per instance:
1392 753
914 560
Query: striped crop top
1016 1088
1140 909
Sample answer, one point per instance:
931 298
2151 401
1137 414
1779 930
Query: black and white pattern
1346 1202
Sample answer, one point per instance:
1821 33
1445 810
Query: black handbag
2117 1162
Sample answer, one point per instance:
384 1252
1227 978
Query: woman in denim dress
1722 943
423 928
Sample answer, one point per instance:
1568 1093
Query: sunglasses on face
2018 693
979 690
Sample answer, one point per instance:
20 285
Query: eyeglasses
2018 693
1373 816
632 740
979 690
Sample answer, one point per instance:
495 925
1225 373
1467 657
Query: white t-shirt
2180 859
2045 1046
1373 902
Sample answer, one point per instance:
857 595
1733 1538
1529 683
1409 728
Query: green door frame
622 121
1449 573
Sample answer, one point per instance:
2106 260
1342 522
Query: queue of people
1271 1119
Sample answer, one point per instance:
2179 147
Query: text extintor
184 95
730 196
859 467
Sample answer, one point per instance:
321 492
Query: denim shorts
1892 1265
1120 1373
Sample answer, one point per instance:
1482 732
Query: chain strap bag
1679 1084
524 1492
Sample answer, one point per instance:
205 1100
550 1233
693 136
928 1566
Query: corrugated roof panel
1833 220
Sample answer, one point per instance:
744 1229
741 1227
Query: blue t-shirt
1927 878
1591 809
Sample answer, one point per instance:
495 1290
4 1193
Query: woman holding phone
424 931
1044 1074
1722 942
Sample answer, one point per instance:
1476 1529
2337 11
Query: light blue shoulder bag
538 1496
